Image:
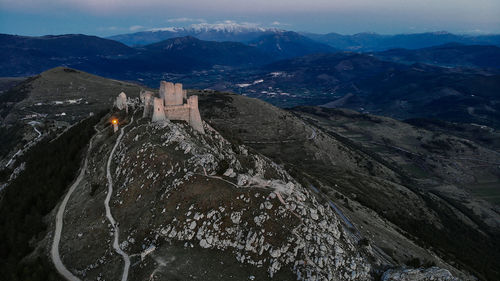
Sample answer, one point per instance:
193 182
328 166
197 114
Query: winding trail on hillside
116 245
37 131
54 251
26 147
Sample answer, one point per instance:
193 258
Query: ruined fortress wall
180 112
163 89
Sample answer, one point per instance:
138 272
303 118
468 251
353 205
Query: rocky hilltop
196 205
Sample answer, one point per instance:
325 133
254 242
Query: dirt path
54 251
116 244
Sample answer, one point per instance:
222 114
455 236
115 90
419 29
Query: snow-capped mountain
225 31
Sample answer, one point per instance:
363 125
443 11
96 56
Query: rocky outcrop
263 217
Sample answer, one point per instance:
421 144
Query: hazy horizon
111 17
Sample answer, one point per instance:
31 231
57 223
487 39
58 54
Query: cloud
108 28
184 19
348 15
465 11
278 23
136 27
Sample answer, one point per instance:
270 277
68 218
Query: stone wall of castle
177 112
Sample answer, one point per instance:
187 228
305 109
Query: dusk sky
110 17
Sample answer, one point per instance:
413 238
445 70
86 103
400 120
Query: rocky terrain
338 155
178 193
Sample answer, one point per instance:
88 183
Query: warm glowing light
114 121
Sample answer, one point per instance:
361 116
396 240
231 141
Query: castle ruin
121 102
173 104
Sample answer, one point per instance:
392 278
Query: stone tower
158 110
178 94
169 93
194 114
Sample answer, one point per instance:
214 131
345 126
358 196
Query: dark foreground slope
48 169
392 175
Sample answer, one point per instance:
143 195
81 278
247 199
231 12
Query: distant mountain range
288 45
211 32
364 42
368 42
453 82
449 55
23 56
201 54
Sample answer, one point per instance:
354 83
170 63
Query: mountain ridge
289 44
450 55
371 42
211 32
